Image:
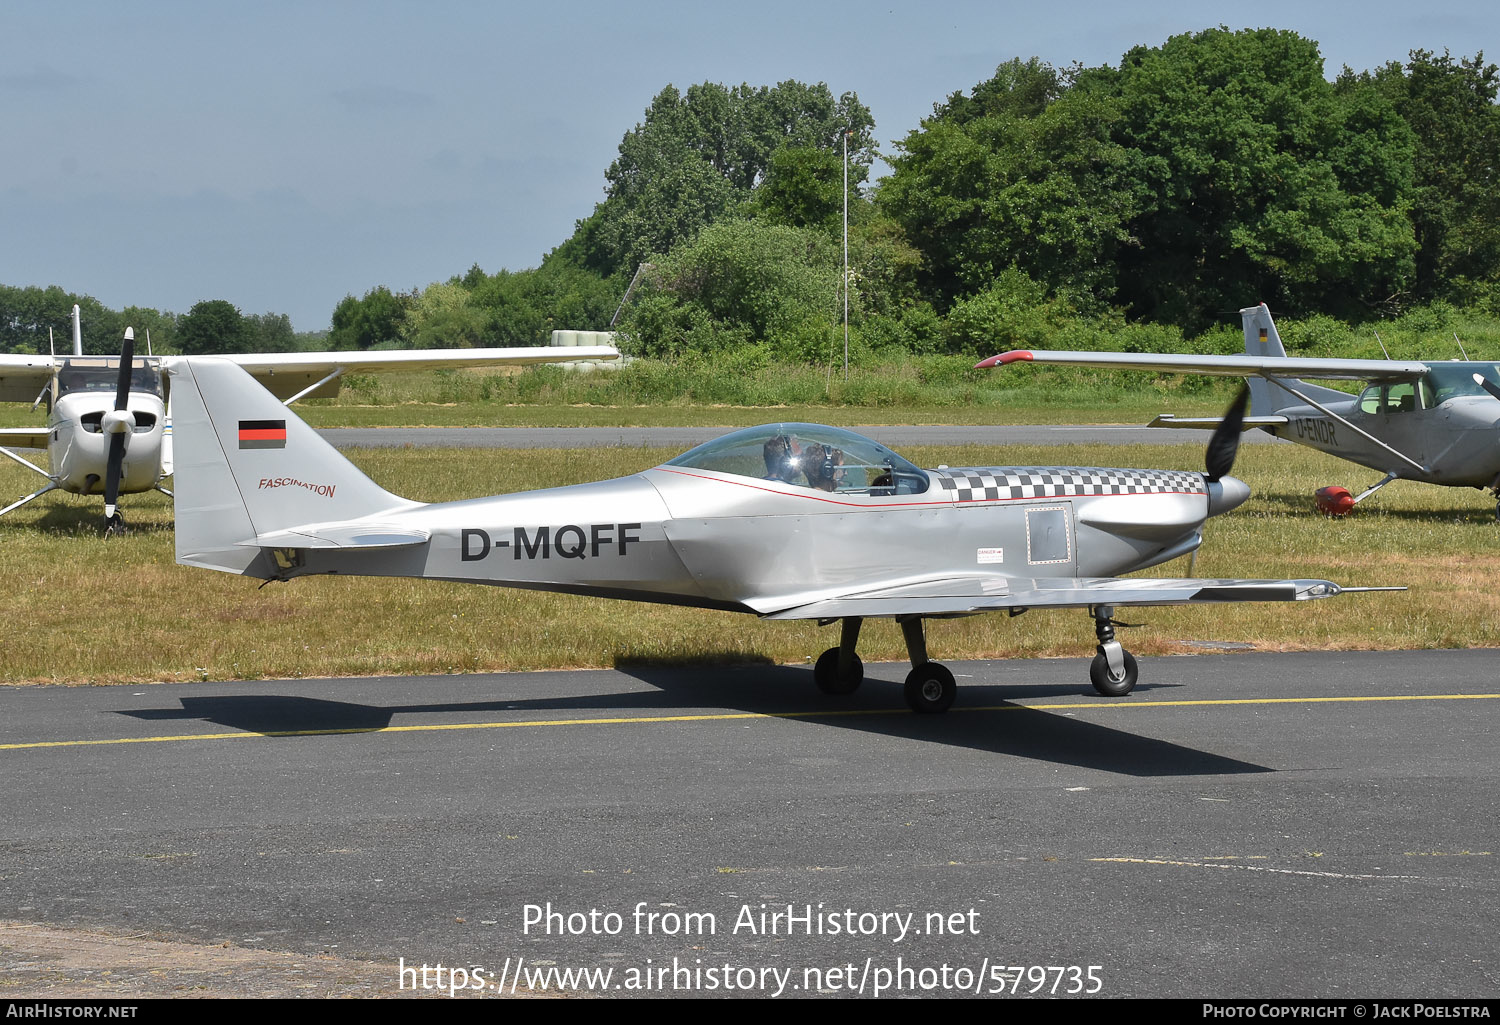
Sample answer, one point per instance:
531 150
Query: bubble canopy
810 456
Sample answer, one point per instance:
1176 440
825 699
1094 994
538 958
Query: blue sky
282 155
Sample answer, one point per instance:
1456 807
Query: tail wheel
1108 684
930 688
826 673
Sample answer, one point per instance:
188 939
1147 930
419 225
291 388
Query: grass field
84 609
667 395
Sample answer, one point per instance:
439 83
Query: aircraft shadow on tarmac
985 718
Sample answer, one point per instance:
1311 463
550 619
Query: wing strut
1382 482
313 387
35 494
1328 412
26 463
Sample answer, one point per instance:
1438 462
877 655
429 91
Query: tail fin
1262 339
249 473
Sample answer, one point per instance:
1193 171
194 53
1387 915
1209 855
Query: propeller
1223 446
1225 443
118 424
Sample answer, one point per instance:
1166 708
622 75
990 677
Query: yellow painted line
1269 701
1086 706
1249 868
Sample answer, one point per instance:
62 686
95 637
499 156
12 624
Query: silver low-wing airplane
109 430
1435 422
785 521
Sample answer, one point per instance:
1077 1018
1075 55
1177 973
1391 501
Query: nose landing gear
1113 671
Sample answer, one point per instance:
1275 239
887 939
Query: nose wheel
1111 682
1113 671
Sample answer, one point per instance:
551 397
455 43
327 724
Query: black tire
826 674
930 688
1108 685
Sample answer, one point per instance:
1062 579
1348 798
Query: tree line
32 319
1128 205
1134 205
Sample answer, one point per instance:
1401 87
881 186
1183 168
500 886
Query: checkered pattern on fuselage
999 483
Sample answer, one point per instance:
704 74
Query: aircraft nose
1225 494
118 421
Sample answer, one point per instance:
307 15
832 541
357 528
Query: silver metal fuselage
722 540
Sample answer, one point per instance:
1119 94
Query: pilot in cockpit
783 457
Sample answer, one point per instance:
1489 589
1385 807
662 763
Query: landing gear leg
930 687
1382 482
839 670
1113 672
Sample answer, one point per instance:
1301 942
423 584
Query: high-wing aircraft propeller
784 521
118 423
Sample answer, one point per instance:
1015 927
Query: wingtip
1015 355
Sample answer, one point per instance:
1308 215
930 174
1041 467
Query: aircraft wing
960 595
24 437
1208 423
284 374
22 377
1223 366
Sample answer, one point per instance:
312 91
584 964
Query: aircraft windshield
811 456
1450 379
102 374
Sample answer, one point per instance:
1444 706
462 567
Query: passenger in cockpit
823 464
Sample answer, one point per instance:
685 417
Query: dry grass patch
84 609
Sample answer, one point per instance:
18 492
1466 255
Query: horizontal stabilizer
341 535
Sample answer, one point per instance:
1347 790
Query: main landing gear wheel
930 688
1107 683
114 525
826 673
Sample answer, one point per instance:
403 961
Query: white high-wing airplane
785 521
109 427
1435 422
